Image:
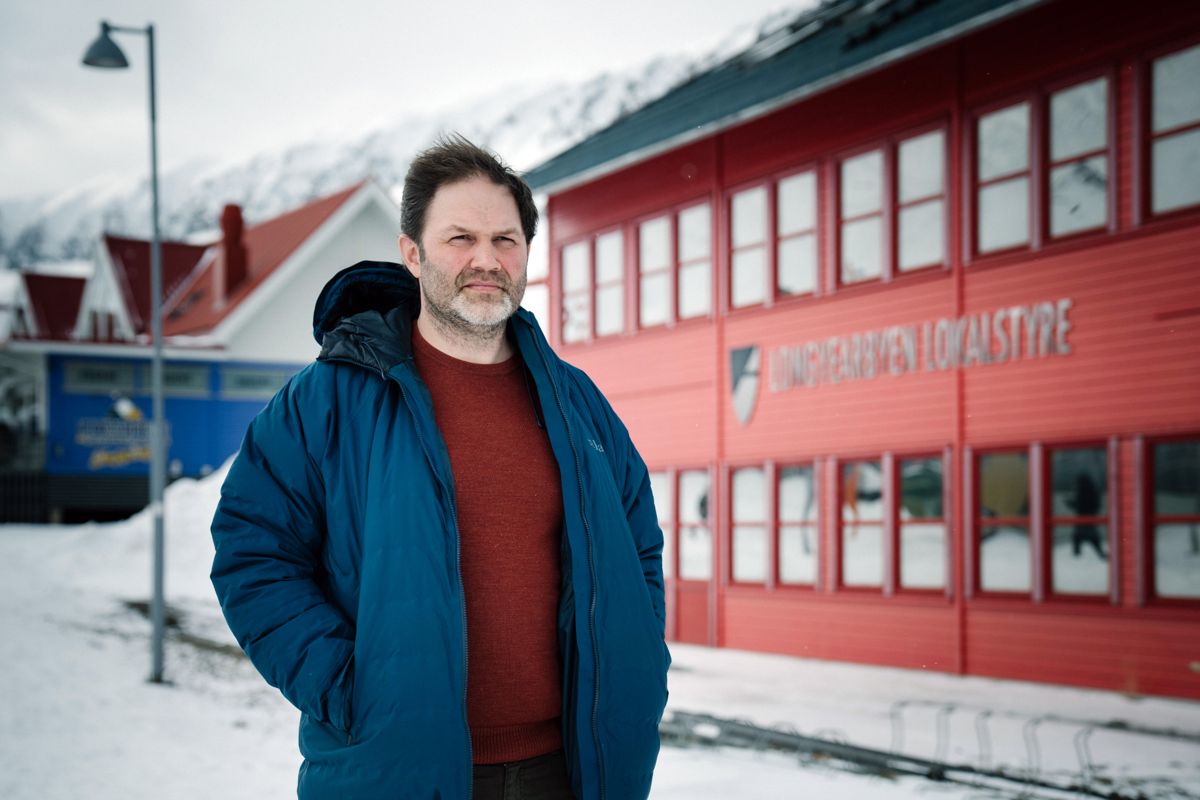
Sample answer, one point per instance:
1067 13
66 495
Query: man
438 540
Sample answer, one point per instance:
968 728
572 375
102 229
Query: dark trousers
541 778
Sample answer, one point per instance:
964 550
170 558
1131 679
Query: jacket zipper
462 600
587 529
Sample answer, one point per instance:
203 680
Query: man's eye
462 237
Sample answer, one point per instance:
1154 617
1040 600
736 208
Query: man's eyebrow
452 228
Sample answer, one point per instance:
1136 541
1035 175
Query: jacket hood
365 315
379 286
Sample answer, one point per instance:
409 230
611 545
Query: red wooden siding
1131 375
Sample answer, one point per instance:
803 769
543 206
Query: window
593 303
748 217
922 524
1003 171
654 267
1003 522
1175 131
1079 158
248 383
610 279
576 289
862 217
179 380
1175 520
796 224
660 488
862 524
537 290
1079 521
884 228
695 535
1075 149
97 377
921 234
797 531
749 525
675 266
695 262
774 240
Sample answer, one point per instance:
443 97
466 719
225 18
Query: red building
902 307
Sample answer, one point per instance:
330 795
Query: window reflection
1079 131
654 263
695 272
1004 559
1079 120
610 295
862 253
798 543
921 165
1004 549
796 251
749 277
1177 520
1176 90
922 527
749 525
862 523
1175 131
1079 196
1003 215
797 203
748 216
1176 171
577 279
922 238
1079 535
1003 142
695 535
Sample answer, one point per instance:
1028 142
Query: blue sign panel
100 409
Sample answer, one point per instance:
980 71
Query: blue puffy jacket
337 563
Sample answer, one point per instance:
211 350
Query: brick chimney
233 251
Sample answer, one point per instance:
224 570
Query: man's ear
410 254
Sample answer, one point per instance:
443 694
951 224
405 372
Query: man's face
472 265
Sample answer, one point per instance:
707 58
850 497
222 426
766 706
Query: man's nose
485 256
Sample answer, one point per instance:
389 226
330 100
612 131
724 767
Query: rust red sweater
509 501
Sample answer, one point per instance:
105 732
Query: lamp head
104 52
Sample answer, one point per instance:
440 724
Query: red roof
131 264
55 300
268 245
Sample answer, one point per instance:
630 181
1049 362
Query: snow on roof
77 268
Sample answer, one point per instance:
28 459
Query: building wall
1111 365
283 330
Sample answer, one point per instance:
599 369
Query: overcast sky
236 78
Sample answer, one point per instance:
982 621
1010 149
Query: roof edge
762 109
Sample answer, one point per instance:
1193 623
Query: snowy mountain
525 124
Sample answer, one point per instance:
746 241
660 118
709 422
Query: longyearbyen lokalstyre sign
1000 336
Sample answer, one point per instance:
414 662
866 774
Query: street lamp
105 53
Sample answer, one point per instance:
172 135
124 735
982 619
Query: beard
470 314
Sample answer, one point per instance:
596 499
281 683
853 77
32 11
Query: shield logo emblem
744 366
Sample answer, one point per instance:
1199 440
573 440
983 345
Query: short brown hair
451 159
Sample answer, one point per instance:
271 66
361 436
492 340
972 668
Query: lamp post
105 53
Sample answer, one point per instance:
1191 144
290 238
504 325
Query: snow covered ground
79 720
